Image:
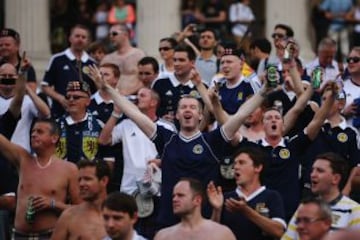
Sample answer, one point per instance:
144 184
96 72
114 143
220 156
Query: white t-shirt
21 134
138 149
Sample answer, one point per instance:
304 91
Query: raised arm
12 152
314 126
16 102
105 137
41 106
292 115
127 107
235 121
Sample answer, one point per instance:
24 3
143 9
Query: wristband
52 203
116 115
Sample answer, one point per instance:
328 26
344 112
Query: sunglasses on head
74 97
278 35
353 59
164 49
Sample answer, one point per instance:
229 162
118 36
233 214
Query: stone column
31 19
295 14
155 20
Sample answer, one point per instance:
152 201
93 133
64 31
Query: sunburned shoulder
68 166
167 233
218 231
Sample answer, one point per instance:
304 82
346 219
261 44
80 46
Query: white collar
98 99
84 56
70 121
176 82
343 125
251 196
266 144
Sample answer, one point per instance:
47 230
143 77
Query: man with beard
69 65
126 57
84 221
188 196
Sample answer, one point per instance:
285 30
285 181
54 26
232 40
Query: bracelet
116 115
52 203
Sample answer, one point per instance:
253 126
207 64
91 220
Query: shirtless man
44 180
84 221
188 196
126 57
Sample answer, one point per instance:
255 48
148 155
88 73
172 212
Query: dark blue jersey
266 202
196 157
232 98
170 91
282 169
63 68
341 139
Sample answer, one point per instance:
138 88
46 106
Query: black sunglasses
164 48
278 35
353 59
114 33
74 97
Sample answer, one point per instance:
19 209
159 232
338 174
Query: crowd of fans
218 140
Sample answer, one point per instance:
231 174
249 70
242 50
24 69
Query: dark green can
316 78
30 211
272 76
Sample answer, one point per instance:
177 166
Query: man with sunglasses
280 38
79 127
126 57
10 53
352 88
328 174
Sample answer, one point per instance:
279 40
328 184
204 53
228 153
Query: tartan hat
78 86
9 32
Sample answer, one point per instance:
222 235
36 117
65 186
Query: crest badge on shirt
284 153
198 149
240 96
342 137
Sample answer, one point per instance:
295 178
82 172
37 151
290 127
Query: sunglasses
353 59
278 35
73 97
164 49
113 34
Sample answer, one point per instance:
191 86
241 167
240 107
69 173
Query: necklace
46 165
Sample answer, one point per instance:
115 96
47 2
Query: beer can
316 78
272 76
30 211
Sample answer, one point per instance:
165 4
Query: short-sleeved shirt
345 214
138 149
282 173
266 202
196 156
207 68
233 97
341 139
170 91
63 68
78 140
